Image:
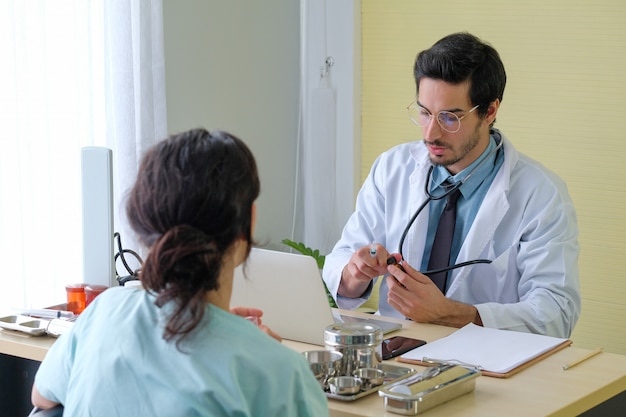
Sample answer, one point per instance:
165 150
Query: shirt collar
440 173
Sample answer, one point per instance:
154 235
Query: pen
47 313
373 250
584 358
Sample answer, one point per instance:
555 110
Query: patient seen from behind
174 347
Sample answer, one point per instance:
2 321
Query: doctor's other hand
254 315
415 296
367 263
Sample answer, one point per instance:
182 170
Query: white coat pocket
494 282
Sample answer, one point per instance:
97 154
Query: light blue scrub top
115 362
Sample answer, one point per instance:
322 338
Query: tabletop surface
543 389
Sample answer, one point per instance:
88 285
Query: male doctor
511 212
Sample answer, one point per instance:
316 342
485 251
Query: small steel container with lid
360 344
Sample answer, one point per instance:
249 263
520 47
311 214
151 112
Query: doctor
511 212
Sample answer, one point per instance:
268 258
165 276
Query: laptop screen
289 289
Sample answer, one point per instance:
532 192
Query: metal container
324 364
360 344
344 385
370 377
424 391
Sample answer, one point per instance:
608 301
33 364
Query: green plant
319 258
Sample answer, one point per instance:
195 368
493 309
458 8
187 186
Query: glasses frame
414 104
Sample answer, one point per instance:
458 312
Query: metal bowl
370 377
344 385
323 363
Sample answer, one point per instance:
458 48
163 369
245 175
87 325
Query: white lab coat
526 225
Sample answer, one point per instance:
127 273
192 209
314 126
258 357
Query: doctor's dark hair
461 57
191 201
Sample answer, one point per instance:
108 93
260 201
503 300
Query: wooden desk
544 389
24 346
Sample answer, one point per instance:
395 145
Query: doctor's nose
431 130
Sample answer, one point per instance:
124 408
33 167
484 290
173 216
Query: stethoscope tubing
430 197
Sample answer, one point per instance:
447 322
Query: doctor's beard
466 145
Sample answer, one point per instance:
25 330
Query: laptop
289 289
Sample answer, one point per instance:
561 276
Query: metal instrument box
423 391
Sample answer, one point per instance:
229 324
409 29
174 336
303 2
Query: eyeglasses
448 121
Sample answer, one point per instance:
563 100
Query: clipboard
494 352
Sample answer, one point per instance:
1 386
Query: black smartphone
397 345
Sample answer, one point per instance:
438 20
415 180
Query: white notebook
289 289
491 350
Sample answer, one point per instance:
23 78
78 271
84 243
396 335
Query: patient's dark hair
191 201
461 57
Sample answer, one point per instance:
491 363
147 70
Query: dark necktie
440 254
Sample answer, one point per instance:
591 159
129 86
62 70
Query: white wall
234 65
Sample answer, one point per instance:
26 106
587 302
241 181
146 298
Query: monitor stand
97 199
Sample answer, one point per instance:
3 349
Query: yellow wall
564 105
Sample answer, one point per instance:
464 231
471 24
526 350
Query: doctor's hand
415 296
254 315
367 263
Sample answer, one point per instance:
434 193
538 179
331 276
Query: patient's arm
40 401
254 315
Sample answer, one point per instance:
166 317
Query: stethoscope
431 197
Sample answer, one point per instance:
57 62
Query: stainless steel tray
393 373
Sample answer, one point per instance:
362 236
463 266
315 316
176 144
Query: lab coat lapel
494 209
415 242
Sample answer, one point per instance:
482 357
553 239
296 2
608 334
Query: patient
174 349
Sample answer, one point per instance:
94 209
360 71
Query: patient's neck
221 297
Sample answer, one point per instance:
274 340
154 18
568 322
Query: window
69 80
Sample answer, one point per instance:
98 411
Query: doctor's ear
492 110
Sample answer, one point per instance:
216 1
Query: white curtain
319 160
74 73
317 156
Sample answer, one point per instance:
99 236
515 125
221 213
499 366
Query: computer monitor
97 201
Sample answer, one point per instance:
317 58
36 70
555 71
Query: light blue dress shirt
472 194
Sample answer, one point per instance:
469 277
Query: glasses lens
449 121
419 115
